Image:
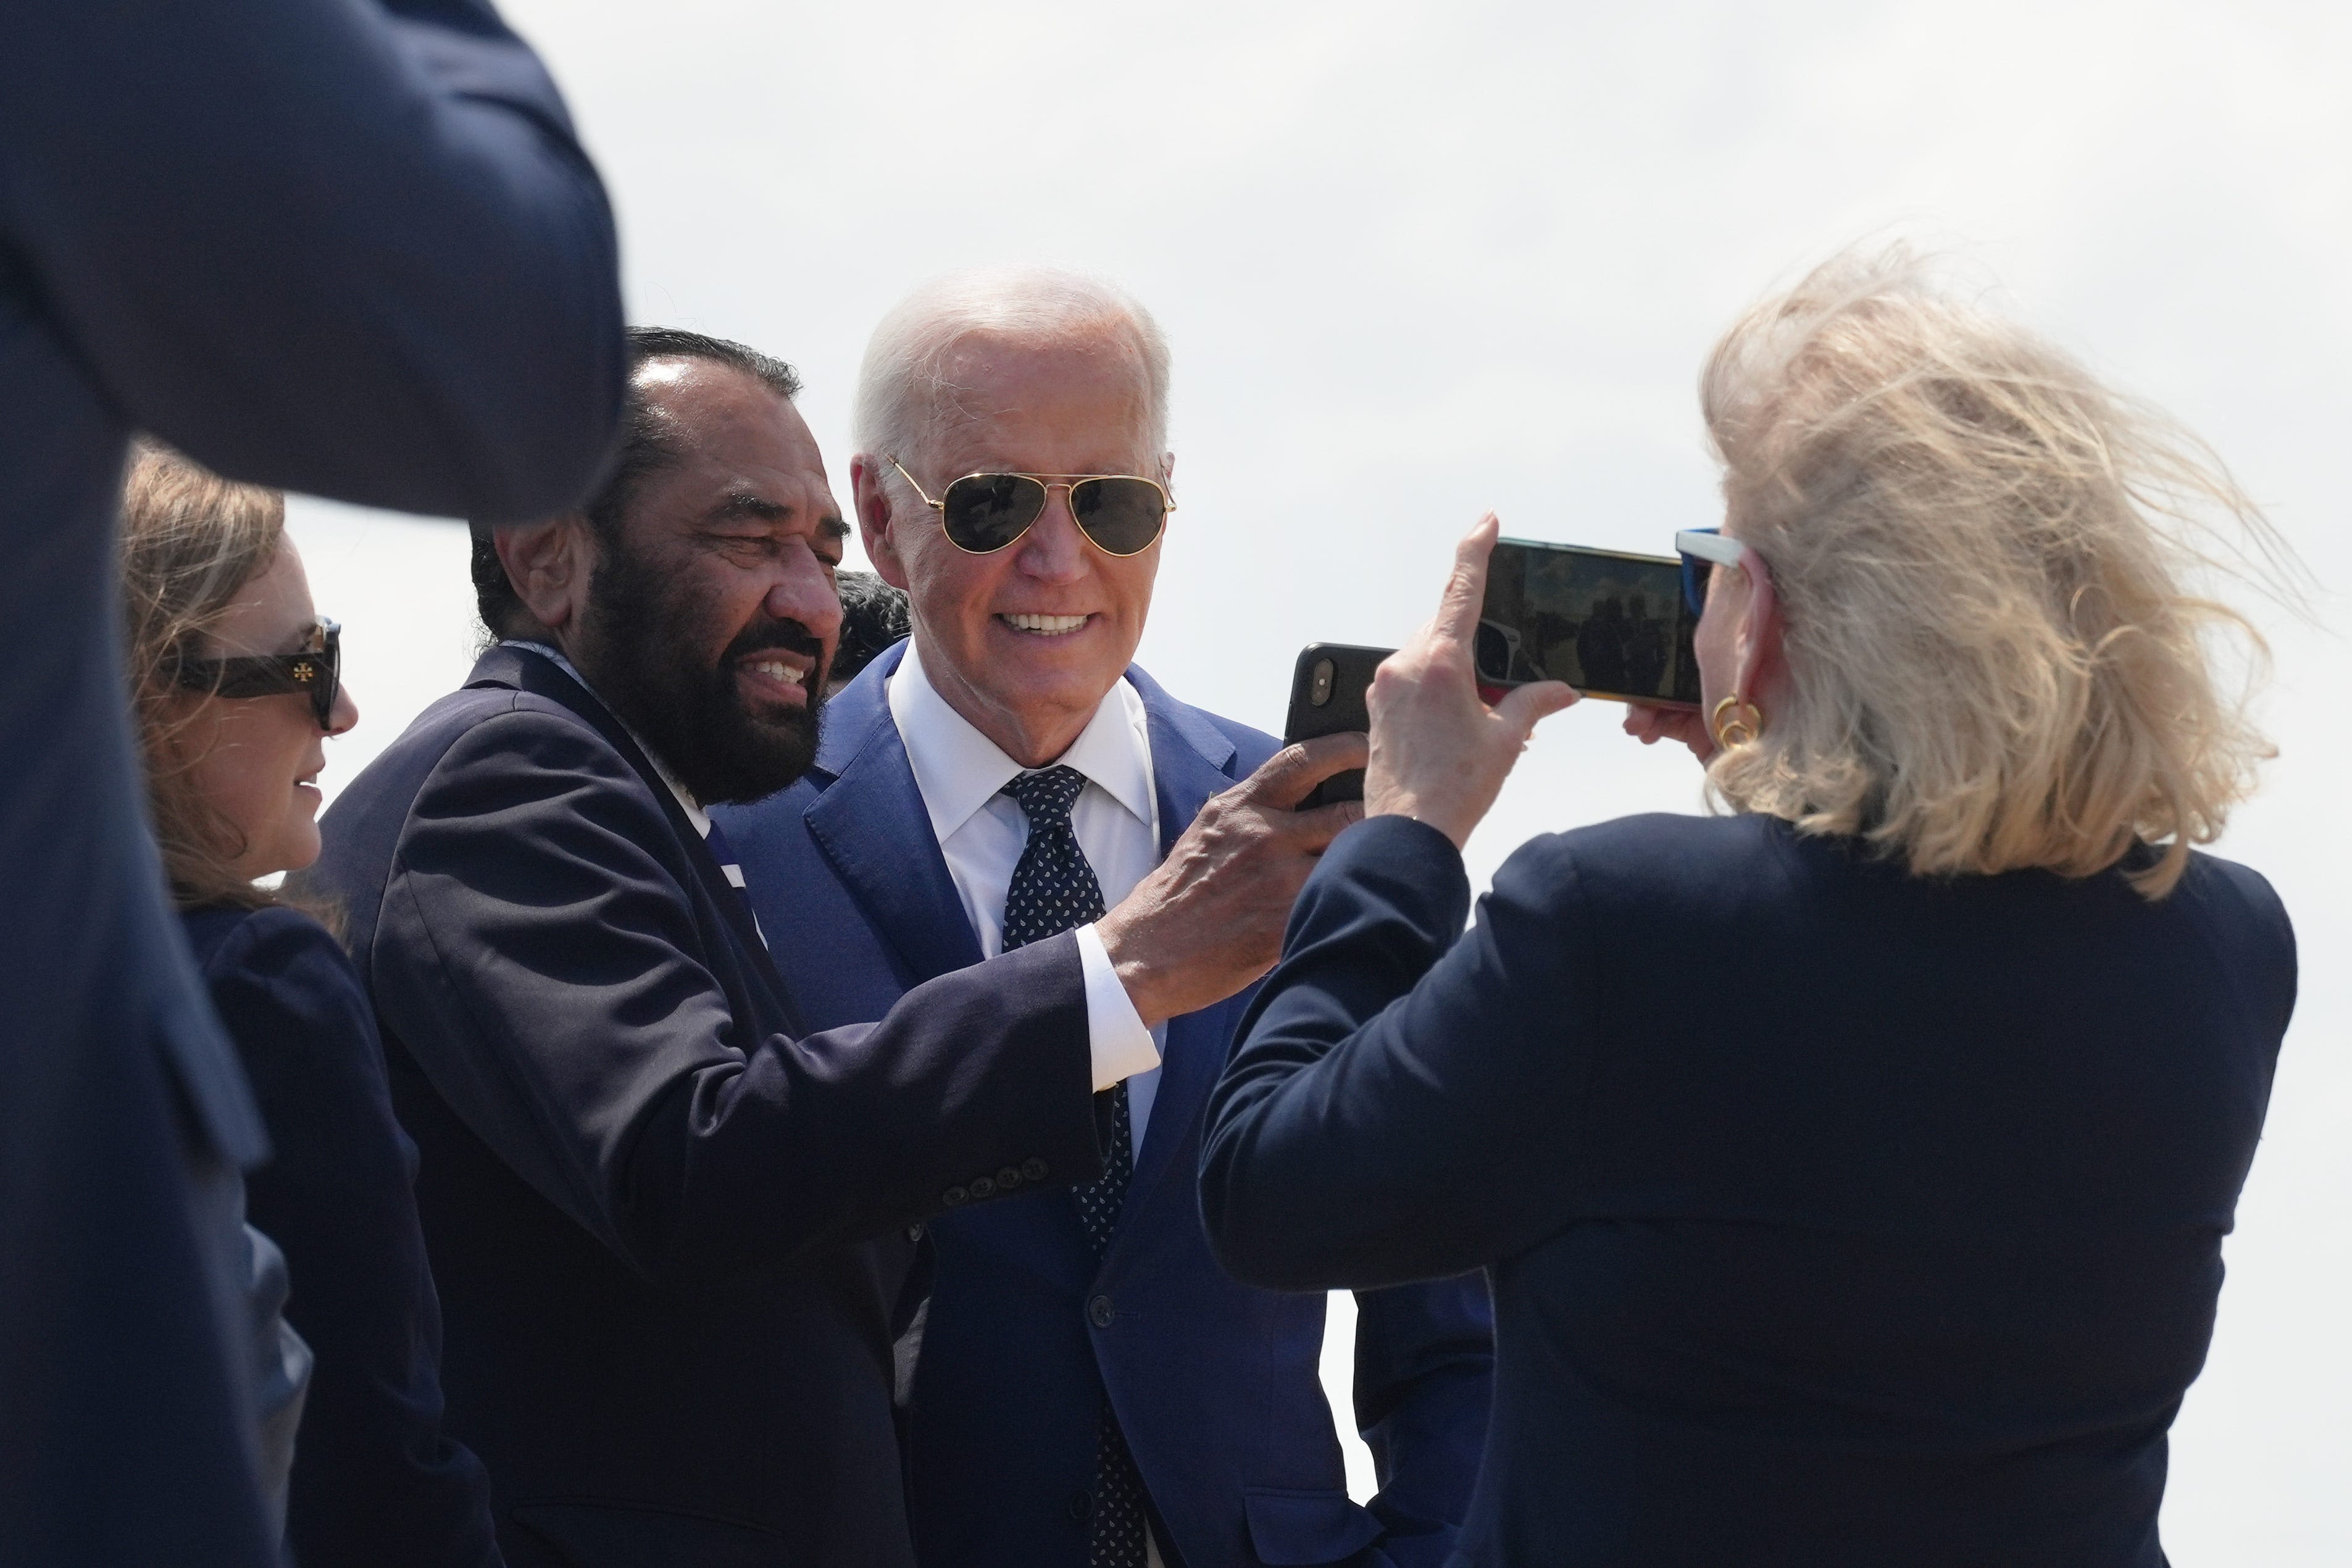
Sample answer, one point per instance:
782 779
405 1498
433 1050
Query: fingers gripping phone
1608 623
1328 689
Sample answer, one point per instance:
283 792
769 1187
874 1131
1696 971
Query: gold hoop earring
1741 728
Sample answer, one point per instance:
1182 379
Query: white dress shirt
982 833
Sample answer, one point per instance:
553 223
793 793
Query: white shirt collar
694 812
959 769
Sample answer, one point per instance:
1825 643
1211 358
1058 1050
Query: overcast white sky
1421 259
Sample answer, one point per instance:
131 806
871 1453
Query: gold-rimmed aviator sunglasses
983 514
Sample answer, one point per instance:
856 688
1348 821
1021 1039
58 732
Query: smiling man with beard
653 1199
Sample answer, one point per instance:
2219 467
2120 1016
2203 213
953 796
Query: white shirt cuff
1122 1047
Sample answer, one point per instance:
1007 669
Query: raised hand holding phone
1649 723
1440 754
1209 920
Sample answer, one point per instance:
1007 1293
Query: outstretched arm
538 951
1405 1100
1397 1106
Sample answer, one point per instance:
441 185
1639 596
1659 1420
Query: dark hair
645 449
874 614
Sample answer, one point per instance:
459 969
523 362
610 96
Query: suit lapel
1196 1056
871 824
1189 759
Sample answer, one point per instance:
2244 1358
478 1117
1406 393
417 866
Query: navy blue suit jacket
376 1483
1214 1382
669 1223
349 249
1837 1217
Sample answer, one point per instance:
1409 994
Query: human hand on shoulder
1439 753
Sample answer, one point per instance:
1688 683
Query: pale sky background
1417 261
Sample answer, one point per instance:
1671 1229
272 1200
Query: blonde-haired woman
1851 1169
237 684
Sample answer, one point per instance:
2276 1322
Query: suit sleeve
540 954
342 248
1423 1381
376 1480
1405 1100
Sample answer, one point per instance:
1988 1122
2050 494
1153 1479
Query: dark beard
637 657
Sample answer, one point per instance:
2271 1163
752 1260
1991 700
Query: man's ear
549 563
875 519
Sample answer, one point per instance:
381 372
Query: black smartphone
1608 623
1327 698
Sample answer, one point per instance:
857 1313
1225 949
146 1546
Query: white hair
905 397
2000 651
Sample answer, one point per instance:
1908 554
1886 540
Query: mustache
761 635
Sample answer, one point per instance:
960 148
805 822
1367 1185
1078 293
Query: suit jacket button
1032 1169
1099 1312
981 1187
1081 1504
954 1196
1007 1179
915 1231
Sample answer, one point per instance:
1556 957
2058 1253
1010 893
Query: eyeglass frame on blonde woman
1709 545
1047 485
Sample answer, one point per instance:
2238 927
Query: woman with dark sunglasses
237 687
1850 1168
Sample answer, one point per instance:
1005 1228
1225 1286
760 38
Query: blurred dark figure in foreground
873 616
237 685
341 248
1851 1168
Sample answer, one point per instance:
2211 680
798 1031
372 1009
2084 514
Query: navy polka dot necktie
1052 888
1054 891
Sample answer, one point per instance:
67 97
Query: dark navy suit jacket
653 1198
1837 1217
349 249
1214 1382
376 1483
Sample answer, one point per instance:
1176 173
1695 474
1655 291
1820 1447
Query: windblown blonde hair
1986 562
191 541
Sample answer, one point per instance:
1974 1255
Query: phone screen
1609 624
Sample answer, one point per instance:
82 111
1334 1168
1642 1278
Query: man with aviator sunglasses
1085 1387
1120 514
